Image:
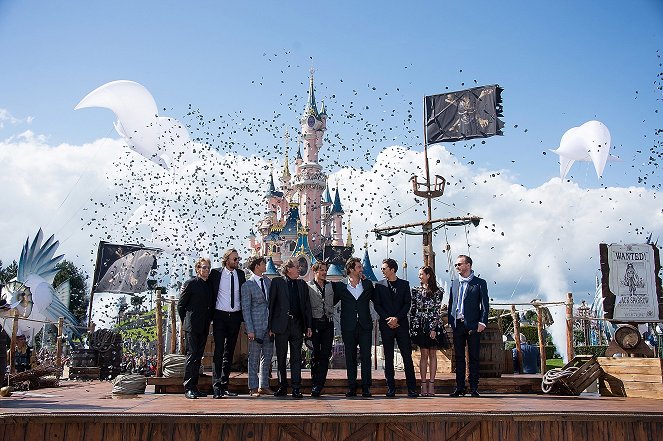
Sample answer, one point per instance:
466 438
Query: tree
8 273
79 300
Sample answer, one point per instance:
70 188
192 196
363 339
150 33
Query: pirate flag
465 114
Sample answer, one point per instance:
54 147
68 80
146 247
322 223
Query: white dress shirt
223 297
355 290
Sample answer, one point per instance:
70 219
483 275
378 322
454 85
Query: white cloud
532 242
6 117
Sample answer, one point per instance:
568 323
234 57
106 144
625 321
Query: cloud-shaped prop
160 139
589 142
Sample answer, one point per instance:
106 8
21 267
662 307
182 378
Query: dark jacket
476 304
390 304
214 280
279 305
354 311
196 305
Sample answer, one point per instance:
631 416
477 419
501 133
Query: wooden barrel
491 355
84 358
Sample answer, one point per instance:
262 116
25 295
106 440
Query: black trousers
464 337
292 337
195 348
362 338
225 328
322 339
401 336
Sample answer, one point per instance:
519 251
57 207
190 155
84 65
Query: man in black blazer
195 308
227 317
392 302
289 319
468 316
356 324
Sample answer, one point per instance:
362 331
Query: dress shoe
391 392
281 392
475 393
366 393
411 393
227 393
218 393
316 391
254 393
351 393
296 393
190 395
457 393
265 391
199 394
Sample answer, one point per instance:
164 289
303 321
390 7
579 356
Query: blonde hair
226 255
289 263
201 260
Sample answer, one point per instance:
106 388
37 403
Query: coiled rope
551 377
129 384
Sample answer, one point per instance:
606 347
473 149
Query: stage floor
87 410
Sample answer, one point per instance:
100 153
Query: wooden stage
87 411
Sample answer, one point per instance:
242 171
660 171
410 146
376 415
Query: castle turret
337 220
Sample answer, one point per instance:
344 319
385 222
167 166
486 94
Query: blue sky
561 64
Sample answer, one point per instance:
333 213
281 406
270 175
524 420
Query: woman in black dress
425 318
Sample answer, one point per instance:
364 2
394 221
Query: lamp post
583 312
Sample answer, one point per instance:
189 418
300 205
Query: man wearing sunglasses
468 315
226 283
195 307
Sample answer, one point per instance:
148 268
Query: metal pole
570 353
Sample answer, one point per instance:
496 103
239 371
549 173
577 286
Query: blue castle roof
271 268
337 208
336 270
368 270
290 227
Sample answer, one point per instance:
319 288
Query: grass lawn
554 363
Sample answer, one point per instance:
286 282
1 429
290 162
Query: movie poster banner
631 282
123 268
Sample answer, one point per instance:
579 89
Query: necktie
262 286
232 290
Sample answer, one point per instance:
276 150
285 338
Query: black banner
123 268
464 114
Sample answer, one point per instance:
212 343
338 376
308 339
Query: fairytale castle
301 218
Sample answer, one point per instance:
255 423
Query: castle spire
348 241
311 107
337 208
286 169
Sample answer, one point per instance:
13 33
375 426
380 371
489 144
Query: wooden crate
631 377
587 373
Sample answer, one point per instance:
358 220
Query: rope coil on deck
551 377
129 384
173 365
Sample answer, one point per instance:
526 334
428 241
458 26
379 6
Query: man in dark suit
195 308
289 319
468 316
227 318
356 324
392 302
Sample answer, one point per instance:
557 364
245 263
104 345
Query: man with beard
226 283
322 308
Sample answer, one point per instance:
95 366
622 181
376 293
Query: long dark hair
432 283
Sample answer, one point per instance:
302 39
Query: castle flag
464 114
